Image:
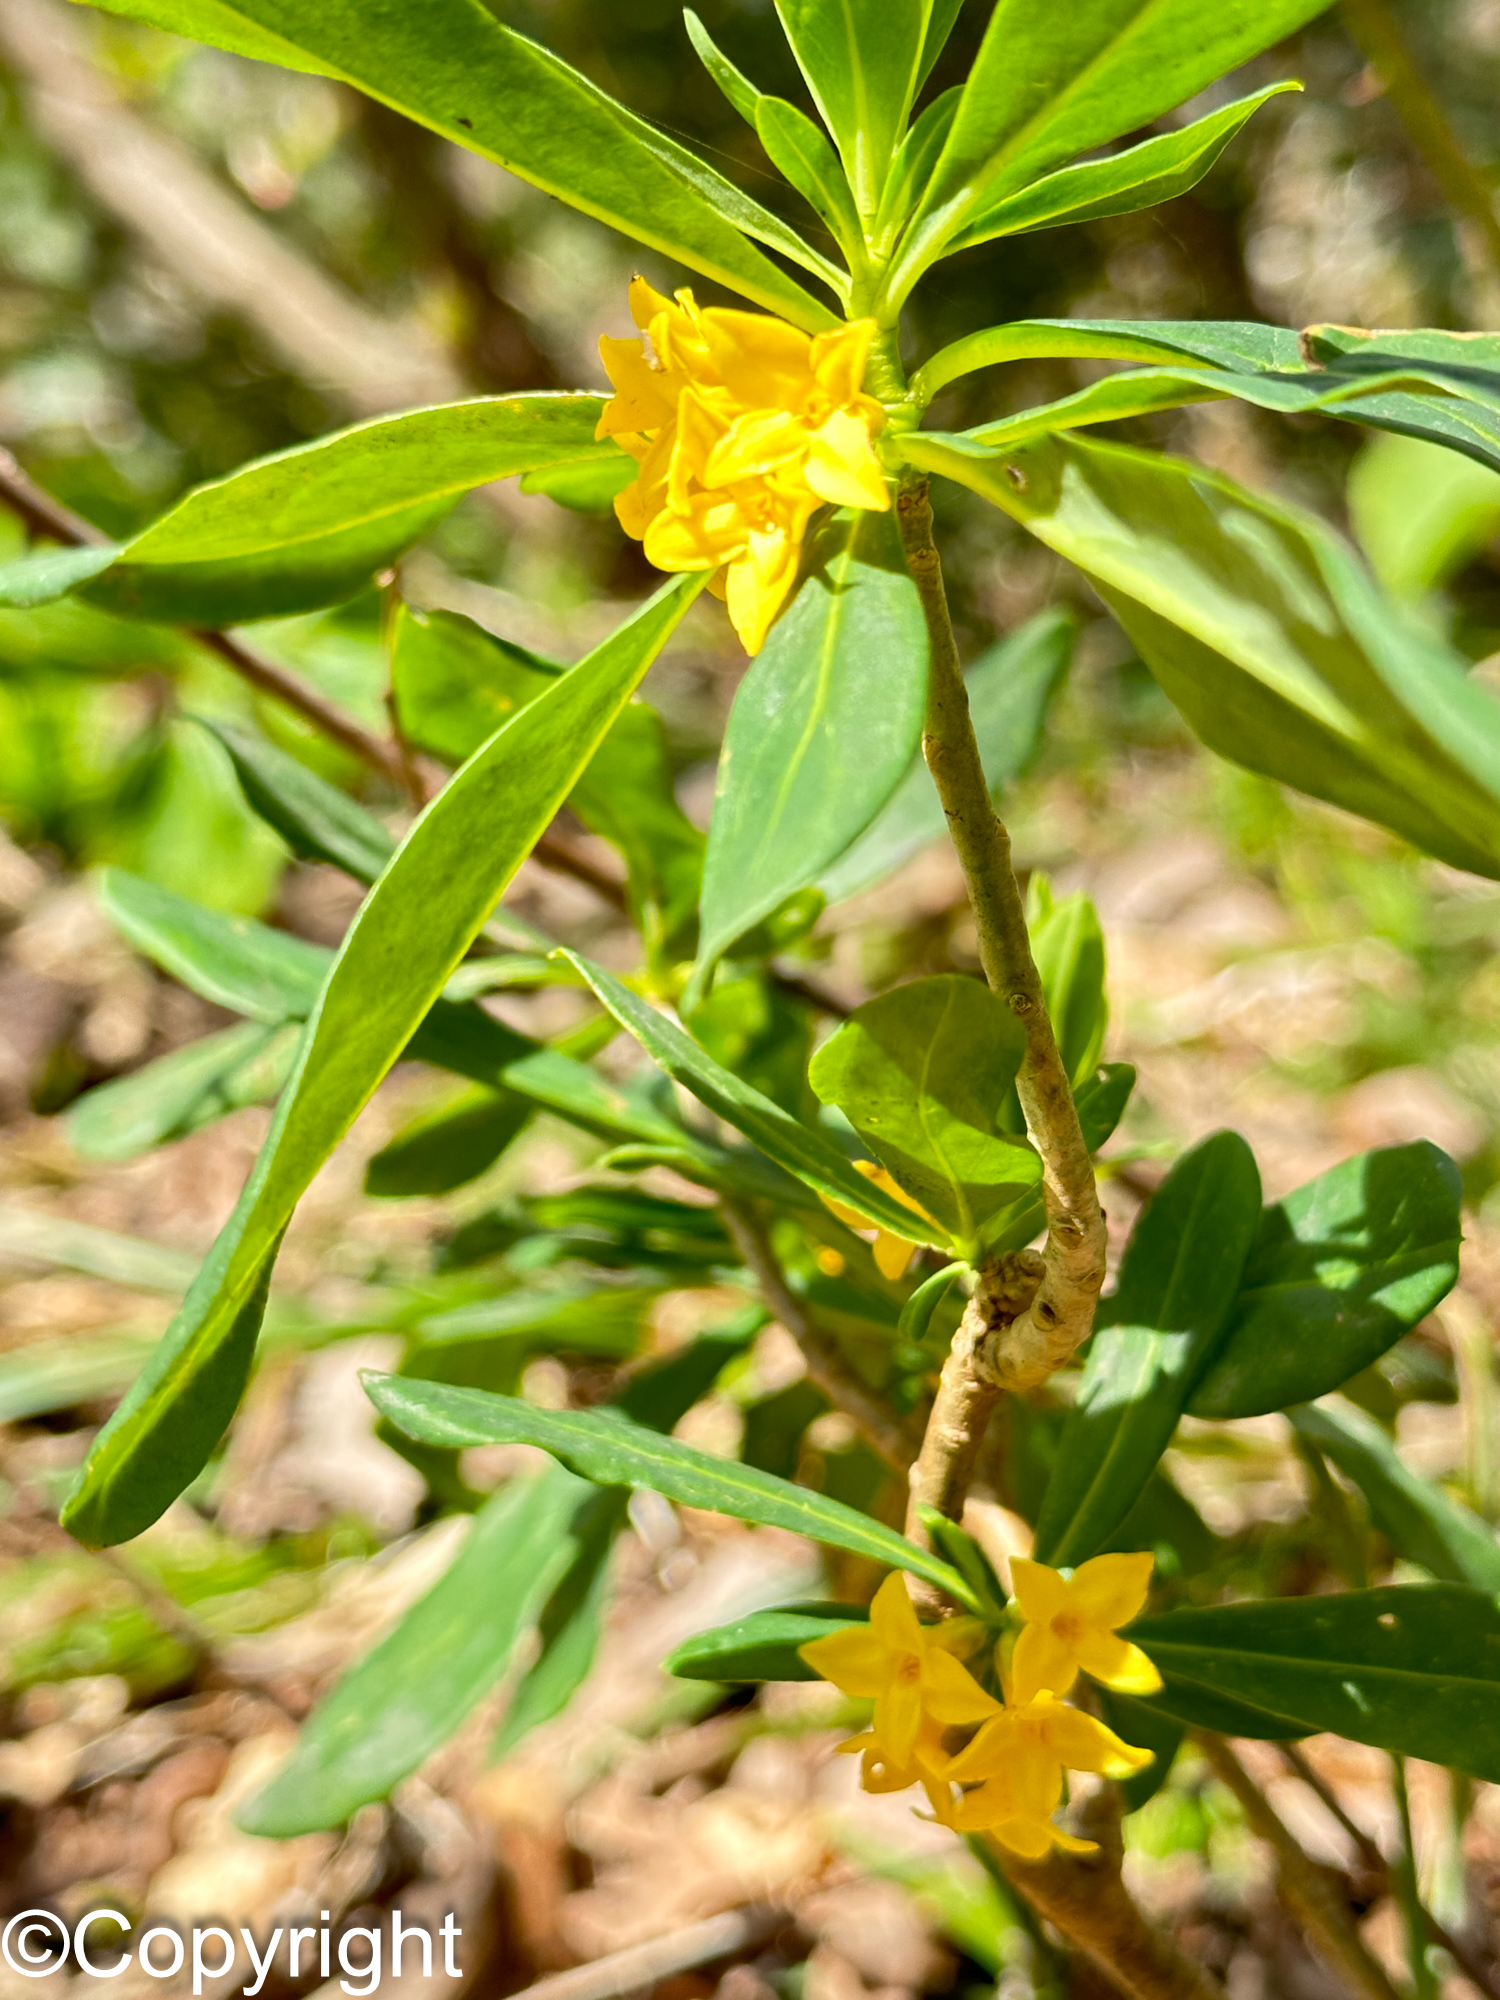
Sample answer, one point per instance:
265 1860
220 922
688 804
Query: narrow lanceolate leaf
1010 688
1246 347
765 1646
1341 1269
570 1627
120 1119
1046 87
615 1452
862 61
235 962
452 66
921 1074
405 1698
736 86
1266 632
1157 170
310 526
1418 1519
411 932
823 727
1178 1285
317 821
1411 1668
796 147
803 1151
218 22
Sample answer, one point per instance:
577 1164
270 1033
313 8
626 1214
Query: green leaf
569 1629
235 962
736 86
1010 688
921 1074
863 61
403 1700
97 1253
1266 633
1101 1103
945 14
453 67
801 154
310 526
210 21
800 1149
1178 1285
45 1376
411 932
912 167
823 727
447 1148
42 578
527 1554
1157 170
317 821
118 1120
614 1452
590 487
1418 1519
1419 512
1147 1731
455 683
1068 946
1411 1668
1046 87
1342 1268
1246 347
763 1646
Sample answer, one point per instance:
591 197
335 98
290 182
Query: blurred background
202 260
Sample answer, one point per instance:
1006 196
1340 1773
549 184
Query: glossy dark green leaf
412 930
1411 1668
311 526
317 821
1157 170
1046 87
453 67
405 1698
862 60
1068 946
764 1645
118 1120
614 1452
801 1149
1010 687
449 1147
1267 634
776 1424
455 683
800 153
1178 1284
823 727
1342 1268
921 1074
1422 1524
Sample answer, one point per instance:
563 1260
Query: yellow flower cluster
1007 1781
742 427
892 1253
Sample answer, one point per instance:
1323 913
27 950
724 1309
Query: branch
1085 1896
826 1367
1311 1893
640 1967
1010 1339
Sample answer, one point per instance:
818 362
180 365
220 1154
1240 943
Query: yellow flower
879 1773
1071 1624
892 1252
1019 1758
742 427
907 1669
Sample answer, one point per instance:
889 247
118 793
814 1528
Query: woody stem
1026 1318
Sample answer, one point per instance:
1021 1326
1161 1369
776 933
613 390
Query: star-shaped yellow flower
892 1253
879 1773
1019 1758
908 1669
742 427
1071 1624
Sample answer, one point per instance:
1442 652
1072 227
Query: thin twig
1024 1321
47 517
826 1367
1297 1763
639 1967
1311 1893
1420 110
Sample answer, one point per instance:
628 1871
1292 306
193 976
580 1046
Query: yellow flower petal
842 466
1040 1592
892 1254
893 1616
950 1692
1040 1661
898 1719
854 1660
1117 1664
1111 1590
